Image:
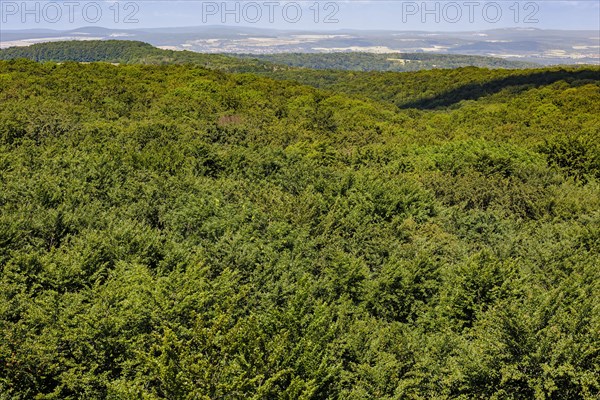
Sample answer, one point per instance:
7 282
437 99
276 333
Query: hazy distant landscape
121 51
522 44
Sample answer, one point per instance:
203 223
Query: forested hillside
438 88
421 90
175 232
399 62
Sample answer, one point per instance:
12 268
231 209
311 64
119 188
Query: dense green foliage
433 89
399 62
176 232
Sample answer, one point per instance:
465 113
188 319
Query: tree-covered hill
129 52
438 88
175 232
399 62
421 89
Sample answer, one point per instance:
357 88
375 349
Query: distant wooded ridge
124 51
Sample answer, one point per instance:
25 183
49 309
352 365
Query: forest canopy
179 232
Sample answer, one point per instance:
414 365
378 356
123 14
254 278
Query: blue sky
445 15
